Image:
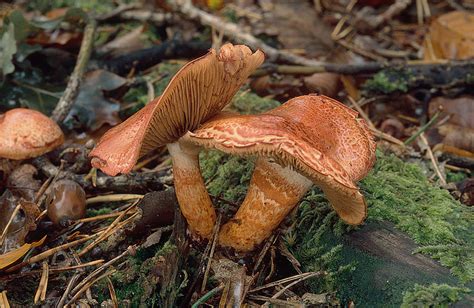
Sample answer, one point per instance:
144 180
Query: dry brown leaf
451 36
92 109
298 27
14 255
125 44
458 131
323 83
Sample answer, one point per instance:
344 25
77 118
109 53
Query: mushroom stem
273 192
191 192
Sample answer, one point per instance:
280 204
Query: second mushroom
310 139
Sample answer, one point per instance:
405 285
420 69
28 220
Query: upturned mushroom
26 133
196 93
308 140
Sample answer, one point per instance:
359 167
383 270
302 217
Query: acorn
65 202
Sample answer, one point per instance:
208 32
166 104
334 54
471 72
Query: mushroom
196 93
66 201
26 133
308 140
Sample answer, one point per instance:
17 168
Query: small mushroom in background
26 133
200 90
308 140
65 202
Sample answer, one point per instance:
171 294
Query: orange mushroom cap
196 93
316 135
26 133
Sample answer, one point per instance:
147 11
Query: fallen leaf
23 222
323 83
125 44
298 27
7 50
14 255
458 131
92 109
451 36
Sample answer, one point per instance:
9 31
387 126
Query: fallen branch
137 182
234 31
145 58
67 99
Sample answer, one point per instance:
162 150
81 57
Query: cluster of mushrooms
310 139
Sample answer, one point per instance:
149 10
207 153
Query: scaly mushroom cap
317 135
26 133
197 92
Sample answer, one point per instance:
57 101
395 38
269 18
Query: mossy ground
396 191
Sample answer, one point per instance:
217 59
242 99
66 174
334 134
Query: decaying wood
67 99
136 182
384 241
146 58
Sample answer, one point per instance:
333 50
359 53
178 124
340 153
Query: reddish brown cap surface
26 133
320 137
197 92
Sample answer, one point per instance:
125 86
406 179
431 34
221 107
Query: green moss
247 102
434 295
226 176
388 81
400 192
98 211
395 191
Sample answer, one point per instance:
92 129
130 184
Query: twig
101 269
113 295
107 232
433 159
284 280
4 233
68 290
88 285
207 296
4 300
396 8
50 252
423 128
311 275
67 99
215 236
143 181
234 31
43 284
113 198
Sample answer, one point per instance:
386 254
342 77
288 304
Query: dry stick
113 295
106 233
276 295
423 128
67 99
4 300
433 159
393 10
113 198
100 217
88 285
4 233
101 268
43 284
232 30
50 252
68 289
281 281
215 236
